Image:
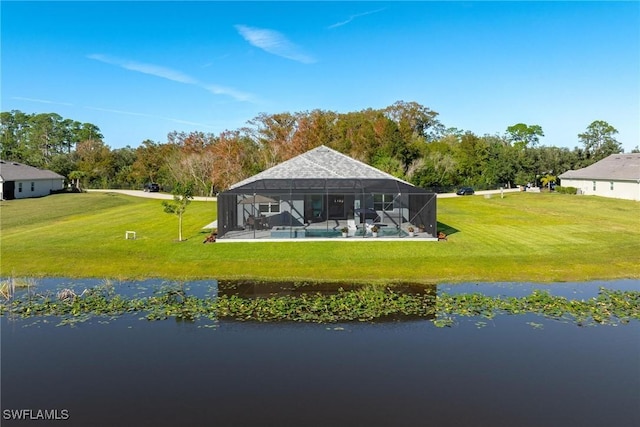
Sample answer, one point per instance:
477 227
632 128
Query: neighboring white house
20 181
616 176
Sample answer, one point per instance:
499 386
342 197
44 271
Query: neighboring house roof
13 171
320 163
618 167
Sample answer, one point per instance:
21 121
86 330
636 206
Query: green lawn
523 237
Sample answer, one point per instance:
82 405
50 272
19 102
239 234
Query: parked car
465 191
152 187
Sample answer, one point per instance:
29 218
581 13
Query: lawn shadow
446 229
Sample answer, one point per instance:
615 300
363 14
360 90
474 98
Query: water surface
523 370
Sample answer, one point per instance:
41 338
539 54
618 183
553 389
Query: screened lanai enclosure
324 194
324 208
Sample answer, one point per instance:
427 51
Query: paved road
480 193
149 195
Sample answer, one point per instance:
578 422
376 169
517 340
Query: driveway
149 195
480 193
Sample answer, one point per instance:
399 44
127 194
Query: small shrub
566 190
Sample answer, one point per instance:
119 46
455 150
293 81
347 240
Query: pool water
383 232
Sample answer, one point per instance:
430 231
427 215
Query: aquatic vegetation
367 303
609 307
364 304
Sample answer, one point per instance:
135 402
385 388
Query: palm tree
547 180
76 176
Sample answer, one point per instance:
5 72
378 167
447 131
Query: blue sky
139 70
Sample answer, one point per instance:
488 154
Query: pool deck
415 238
301 234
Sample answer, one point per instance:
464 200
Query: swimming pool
383 232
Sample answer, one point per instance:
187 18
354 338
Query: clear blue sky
139 70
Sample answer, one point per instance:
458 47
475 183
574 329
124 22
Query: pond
524 370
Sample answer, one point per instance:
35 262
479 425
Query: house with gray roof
616 176
324 194
20 181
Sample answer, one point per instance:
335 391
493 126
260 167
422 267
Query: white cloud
169 74
128 113
274 42
154 70
221 90
352 17
41 101
133 113
163 72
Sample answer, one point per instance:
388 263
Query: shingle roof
619 167
320 163
13 171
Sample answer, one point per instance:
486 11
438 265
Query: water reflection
253 289
324 302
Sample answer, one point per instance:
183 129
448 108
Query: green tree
525 139
599 140
150 163
123 159
472 154
36 139
390 165
556 160
523 136
63 164
14 126
182 196
96 160
86 132
437 168
502 162
45 137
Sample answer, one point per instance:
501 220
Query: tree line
405 139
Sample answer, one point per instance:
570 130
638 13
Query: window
272 207
594 186
19 187
33 186
383 202
611 185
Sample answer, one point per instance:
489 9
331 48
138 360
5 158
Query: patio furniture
352 228
367 214
259 223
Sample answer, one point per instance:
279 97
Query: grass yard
523 237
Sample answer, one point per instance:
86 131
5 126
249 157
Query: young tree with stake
182 196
